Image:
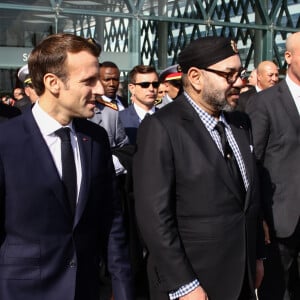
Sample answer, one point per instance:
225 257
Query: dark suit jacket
191 216
276 134
23 104
44 252
7 112
123 100
244 97
131 122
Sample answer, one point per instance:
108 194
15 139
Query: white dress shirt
142 113
295 91
48 126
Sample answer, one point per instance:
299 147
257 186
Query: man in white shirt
63 217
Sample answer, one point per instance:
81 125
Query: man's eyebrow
89 78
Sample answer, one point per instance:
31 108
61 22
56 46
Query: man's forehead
146 75
112 73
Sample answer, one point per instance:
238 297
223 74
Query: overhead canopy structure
148 31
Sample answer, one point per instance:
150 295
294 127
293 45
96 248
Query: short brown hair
51 54
140 69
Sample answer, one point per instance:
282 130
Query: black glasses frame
231 77
146 84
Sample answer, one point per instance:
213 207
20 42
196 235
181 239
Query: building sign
16 57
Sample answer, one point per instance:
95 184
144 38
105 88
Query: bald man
267 75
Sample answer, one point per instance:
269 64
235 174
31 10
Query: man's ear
131 88
288 57
52 83
196 78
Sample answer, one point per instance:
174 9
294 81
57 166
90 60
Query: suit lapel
243 144
289 104
85 149
36 145
203 139
134 117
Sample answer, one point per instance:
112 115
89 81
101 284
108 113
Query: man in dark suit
197 209
143 86
60 215
275 120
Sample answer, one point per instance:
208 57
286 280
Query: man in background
22 101
143 85
171 78
267 76
25 78
110 79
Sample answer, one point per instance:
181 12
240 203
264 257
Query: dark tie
68 166
230 158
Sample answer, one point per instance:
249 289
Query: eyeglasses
231 77
146 84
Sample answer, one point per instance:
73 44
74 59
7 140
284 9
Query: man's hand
259 273
197 294
266 232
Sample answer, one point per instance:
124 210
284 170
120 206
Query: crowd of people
188 190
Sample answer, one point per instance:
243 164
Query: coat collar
199 133
35 144
289 105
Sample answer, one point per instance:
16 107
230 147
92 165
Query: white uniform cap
23 72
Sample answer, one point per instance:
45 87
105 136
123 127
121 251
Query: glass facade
145 31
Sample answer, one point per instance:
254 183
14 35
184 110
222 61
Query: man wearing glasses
143 86
195 185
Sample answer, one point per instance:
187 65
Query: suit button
72 264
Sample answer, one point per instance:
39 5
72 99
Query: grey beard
216 103
228 107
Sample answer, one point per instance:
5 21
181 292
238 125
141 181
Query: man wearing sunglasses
195 185
143 86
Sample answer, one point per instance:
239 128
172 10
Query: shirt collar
141 112
45 122
107 99
293 87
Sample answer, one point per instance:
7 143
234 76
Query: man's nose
98 89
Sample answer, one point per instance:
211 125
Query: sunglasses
146 84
